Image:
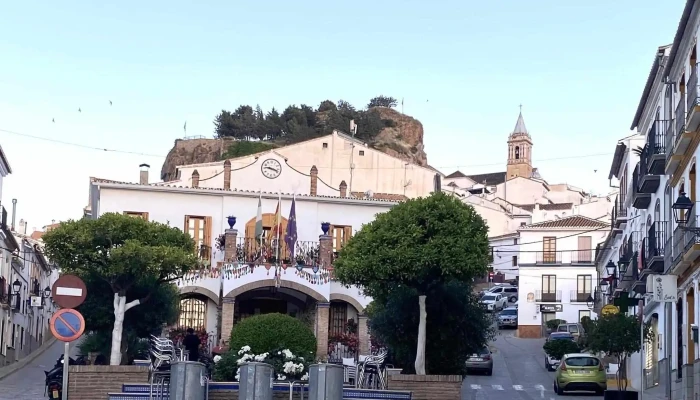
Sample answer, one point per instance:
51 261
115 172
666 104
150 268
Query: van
576 330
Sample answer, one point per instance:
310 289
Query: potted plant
220 242
325 227
618 336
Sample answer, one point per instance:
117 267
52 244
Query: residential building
557 272
243 278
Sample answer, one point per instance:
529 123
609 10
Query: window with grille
199 229
193 313
338 318
549 283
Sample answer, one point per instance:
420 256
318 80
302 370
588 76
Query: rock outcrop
403 140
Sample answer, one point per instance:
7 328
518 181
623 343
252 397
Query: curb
10 369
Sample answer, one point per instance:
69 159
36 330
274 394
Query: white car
494 302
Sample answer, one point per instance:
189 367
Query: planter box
428 387
621 395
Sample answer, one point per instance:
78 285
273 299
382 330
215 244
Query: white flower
217 359
287 354
281 377
305 377
238 375
261 357
244 349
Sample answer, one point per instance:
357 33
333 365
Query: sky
462 68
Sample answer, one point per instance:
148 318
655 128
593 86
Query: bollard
326 382
256 381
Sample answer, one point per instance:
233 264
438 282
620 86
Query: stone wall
232 394
428 387
93 382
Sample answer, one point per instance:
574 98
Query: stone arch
349 300
199 290
271 282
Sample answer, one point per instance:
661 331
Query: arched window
517 152
193 313
657 211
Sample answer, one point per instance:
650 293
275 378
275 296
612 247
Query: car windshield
582 362
563 328
488 298
509 312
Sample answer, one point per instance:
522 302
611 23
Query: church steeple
519 150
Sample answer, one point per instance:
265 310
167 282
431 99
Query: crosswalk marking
497 387
539 387
517 387
476 387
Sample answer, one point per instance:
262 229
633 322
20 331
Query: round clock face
271 168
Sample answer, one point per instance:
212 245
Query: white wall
567 242
505 248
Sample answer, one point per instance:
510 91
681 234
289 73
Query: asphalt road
28 383
518 373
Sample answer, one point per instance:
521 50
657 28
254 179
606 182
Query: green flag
258 220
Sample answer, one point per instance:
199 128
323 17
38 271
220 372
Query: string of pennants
315 275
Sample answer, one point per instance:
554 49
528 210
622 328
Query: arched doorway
651 354
271 299
193 312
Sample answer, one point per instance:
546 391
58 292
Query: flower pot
325 227
620 395
231 221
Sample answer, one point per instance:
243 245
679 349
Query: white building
557 272
231 285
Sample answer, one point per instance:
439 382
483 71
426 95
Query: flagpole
278 223
261 235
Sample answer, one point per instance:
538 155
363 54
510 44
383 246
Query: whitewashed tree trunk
420 351
120 308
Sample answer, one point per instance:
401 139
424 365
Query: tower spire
520 124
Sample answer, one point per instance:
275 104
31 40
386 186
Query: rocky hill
247 131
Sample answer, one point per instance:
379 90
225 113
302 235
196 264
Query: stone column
363 334
227 310
322 316
343 189
231 240
195 179
325 249
227 175
313 191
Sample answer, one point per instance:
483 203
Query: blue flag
290 236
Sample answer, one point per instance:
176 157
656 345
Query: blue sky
463 67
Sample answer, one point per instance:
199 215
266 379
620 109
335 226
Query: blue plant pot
325 227
231 222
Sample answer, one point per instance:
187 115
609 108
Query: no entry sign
69 291
67 325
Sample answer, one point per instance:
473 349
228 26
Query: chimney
314 181
343 189
22 226
143 175
227 175
14 214
195 179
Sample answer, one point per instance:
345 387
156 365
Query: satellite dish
369 194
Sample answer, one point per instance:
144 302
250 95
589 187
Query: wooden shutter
585 244
347 234
187 225
207 237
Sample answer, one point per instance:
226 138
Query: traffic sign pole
66 364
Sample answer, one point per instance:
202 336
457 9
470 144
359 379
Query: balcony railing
548 257
654 245
582 256
679 124
585 256
692 89
655 151
685 236
252 250
580 297
619 213
550 296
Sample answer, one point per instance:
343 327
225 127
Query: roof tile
574 221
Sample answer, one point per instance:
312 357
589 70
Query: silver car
508 318
481 362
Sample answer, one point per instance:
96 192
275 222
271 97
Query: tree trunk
420 351
120 308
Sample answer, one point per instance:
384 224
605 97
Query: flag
290 237
184 128
277 229
258 220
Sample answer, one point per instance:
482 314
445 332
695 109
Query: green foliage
457 327
553 324
558 347
383 101
123 251
298 123
617 335
262 333
134 347
420 243
245 148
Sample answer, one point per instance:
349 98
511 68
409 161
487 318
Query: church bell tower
519 151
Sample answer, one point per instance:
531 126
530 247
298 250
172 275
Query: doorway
546 317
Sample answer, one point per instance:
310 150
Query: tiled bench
139 391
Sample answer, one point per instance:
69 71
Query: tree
383 101
556 348
458 327
619 336
126 253
419 244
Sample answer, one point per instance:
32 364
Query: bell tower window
517 152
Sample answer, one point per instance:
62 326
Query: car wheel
489 372
513 299
559 390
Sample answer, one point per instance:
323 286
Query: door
585 246
547 316
549 250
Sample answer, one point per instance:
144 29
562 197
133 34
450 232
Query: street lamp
16 286
47 292
681 209
590 302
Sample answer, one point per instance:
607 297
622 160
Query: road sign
609 310
69 291
67 325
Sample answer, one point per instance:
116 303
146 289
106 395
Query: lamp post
590 302
682 208
46 294
16 287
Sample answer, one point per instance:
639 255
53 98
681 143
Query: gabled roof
490 179
456 174
574 221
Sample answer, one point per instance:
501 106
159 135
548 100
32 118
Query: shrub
286 364
553 324
558 347
267 332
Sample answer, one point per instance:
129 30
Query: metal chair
371 373
162 353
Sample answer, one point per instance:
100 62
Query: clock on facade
271 168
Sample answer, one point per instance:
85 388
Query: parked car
580 371
576 330
551 363
481 362
494 302
508 318
508 291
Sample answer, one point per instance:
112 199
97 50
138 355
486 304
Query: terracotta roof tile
574 221
381 196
